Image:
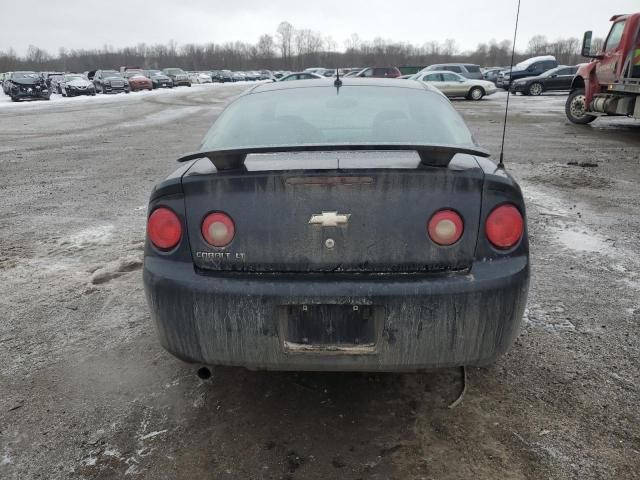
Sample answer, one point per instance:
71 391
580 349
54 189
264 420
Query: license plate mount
330 328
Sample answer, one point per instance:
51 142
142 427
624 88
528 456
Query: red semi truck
610 83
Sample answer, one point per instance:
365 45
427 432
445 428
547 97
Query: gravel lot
87 392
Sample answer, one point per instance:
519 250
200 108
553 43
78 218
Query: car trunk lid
358 212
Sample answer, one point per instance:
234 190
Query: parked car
5 82
110 81
467 70
238 77
138 80
226 76
178 76
379 72
317 70
531 67
52 79
455 85
73 84
556 79
199 77
158 79
491 74
301 76
27 85
267 75
251 76
238 270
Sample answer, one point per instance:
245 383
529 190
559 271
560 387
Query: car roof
457 63
429 72
346 82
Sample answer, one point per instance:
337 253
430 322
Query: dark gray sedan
347 225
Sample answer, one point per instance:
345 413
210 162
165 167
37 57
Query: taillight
445 227
218 229
164 228
504 226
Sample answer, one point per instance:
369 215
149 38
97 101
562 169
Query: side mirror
586 46
586 43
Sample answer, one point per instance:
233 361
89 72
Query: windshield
69 78
175 71
111 73
19 75
553 71
358 115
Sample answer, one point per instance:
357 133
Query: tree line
288 48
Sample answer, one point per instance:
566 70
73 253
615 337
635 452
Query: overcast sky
91 24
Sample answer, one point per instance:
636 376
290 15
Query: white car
454 85
200 77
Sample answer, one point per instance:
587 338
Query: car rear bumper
426 321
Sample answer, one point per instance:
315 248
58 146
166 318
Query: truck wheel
476 93
576 108
535 89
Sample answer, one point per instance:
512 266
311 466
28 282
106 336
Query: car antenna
506 110
338 82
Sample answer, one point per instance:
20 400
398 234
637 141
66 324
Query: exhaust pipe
204 373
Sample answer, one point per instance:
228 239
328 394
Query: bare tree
266 46
538 45
277 52
449 47
285 37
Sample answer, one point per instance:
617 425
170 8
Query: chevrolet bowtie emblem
330 219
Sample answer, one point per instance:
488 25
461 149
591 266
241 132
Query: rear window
356 115
452 68
472 68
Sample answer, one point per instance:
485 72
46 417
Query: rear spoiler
430 155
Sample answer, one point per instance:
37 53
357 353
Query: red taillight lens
504 227
164 228
218 229
445 227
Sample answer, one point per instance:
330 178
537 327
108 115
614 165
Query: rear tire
476 94
535 89
576 108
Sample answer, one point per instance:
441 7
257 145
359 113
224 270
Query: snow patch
89 236
583 242
153 434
